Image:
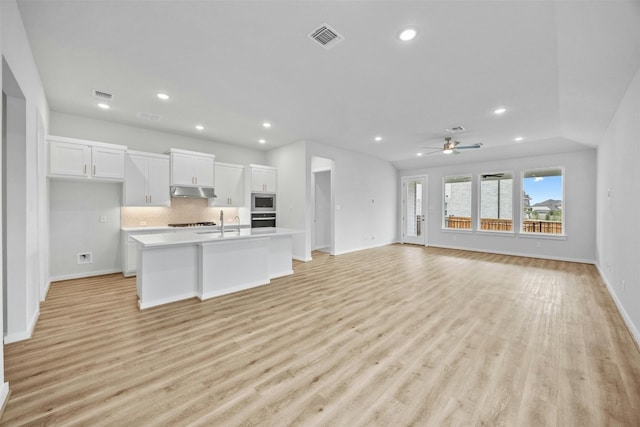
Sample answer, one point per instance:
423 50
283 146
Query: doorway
322 234
414 201
322 212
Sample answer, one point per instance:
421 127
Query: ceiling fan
451 146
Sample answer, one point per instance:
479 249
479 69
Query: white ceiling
559 67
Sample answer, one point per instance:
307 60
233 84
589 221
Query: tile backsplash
182 210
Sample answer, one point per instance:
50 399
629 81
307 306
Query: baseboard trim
168 300
83 275
24 335
43 296
303 259
348 251
518 254
633 330
4 397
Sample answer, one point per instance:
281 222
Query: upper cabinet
262 179
229 185
146 179
69 157
192 169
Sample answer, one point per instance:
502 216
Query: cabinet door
69 159
204 171
263 180
158 182
182 169
135 184
107 163
229 181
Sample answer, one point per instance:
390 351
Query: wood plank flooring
394 336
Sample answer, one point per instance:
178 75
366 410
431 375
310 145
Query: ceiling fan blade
466 147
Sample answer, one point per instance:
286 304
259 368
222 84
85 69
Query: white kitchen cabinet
70 157
146 179
192 169
229 180
262 178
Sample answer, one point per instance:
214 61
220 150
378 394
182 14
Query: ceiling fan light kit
452 147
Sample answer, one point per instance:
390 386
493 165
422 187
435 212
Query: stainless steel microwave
263 202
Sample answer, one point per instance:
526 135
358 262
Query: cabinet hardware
149 198
94 169
146 199
84 171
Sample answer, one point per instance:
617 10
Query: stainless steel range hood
194 192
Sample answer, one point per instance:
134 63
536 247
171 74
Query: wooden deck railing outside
492 224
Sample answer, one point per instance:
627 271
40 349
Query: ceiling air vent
326 36
149 116
455 129
102 95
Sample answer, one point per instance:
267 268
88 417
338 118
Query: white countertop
199 236
167 228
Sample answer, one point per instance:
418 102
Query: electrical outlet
102 219
622 285
85 258
143 222
538 244
454 238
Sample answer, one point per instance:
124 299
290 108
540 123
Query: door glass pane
414 209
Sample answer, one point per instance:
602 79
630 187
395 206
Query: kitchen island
206 264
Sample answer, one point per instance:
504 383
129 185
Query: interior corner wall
292 193
149 140
17 54
365 200
618 232
579 207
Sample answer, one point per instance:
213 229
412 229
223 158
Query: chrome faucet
222 221
237 219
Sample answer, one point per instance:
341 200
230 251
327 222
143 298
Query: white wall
579 208
75 211
19 59
366 199
138 138
292 187
4 387
618 190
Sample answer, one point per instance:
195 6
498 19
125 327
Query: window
542 201
496 201
457 202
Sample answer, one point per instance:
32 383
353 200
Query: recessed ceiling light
104 106
266 125
500 110
419 154
262 141
163 96
377 139
407 34
518 139
199 127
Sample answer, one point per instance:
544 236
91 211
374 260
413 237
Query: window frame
444 204
513 206
563 217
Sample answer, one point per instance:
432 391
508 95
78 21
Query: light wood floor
394 336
